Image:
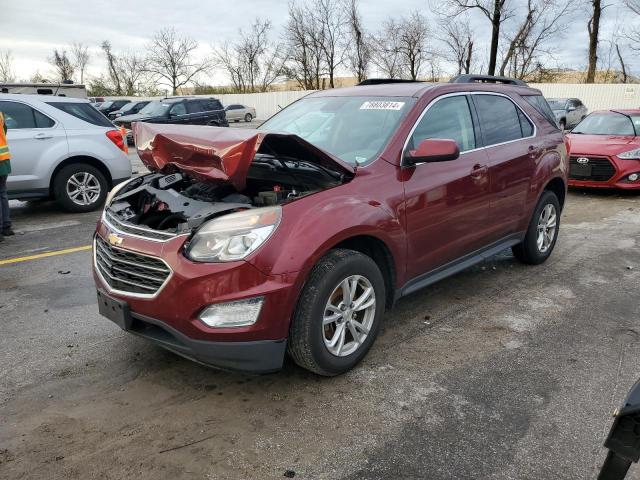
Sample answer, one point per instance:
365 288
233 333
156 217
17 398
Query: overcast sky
31 29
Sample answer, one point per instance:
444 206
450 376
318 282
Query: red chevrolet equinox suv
241 246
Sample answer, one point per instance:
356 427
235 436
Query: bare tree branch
62 64
80 53
360 49
7 73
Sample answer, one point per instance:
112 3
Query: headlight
116 189
234 236
630 155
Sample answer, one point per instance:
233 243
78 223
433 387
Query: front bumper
619 178
173 311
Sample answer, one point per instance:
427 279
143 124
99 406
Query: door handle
42 136
478 171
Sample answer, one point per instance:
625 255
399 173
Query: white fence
594 96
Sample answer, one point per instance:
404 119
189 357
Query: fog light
241 313
633 177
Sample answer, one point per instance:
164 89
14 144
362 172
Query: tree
63 65
535 37
457 38
330 18
7 73
496 12
171 59
593 27
412 44
360 53
623 67
126 72
80 53
253 63
305 60
387 49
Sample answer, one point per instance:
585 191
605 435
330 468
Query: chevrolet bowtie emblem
115 239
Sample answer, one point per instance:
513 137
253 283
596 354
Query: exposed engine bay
177 202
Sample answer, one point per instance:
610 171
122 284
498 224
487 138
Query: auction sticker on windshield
381 105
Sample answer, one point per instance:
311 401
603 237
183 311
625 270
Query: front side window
449 118
499 119
609 123
179 109
83 111
18 116
354 129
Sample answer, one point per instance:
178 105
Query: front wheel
542 233
339 313
80 188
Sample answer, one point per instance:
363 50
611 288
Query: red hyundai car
243 245
605 150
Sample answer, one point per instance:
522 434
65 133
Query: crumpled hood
218 153
609 145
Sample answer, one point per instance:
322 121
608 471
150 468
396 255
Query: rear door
35 142
509 137
447 203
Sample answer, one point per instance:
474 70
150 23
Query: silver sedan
237 112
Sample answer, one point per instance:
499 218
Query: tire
64 187
308 336
563 125
530 250
248 117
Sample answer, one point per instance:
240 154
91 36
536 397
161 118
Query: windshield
609 123
128 106
353 129
155 109
106 104
557 103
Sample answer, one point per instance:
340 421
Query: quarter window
525 124
18 115
449 118
499 119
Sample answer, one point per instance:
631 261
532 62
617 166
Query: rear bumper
260 356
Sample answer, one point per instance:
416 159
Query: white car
237 112
62 148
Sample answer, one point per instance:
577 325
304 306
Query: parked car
238 112
130 108
605 150
568 111
62 148
180 111
95 100
111 106
295 237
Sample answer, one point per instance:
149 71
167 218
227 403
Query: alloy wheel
83 188
349 315
547 224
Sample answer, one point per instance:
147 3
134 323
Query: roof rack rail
381 81
487 79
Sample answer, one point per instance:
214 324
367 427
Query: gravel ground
501 372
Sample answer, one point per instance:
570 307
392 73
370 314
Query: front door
446 203
34 140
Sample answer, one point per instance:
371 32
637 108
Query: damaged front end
199 174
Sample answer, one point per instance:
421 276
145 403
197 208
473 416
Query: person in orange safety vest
5 170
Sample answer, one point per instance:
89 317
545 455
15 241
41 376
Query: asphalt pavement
504 371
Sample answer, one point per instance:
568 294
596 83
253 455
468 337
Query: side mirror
623 441
433 150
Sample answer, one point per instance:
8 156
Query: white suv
62 148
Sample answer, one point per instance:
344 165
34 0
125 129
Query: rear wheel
80 188
339 313
542 233
563 125
248 117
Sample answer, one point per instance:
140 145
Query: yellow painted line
45 255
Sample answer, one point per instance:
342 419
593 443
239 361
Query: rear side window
499 119
194 107
216 105
18 115
448 118
540 104
83 111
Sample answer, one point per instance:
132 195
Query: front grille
132 229
599 169
129 271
